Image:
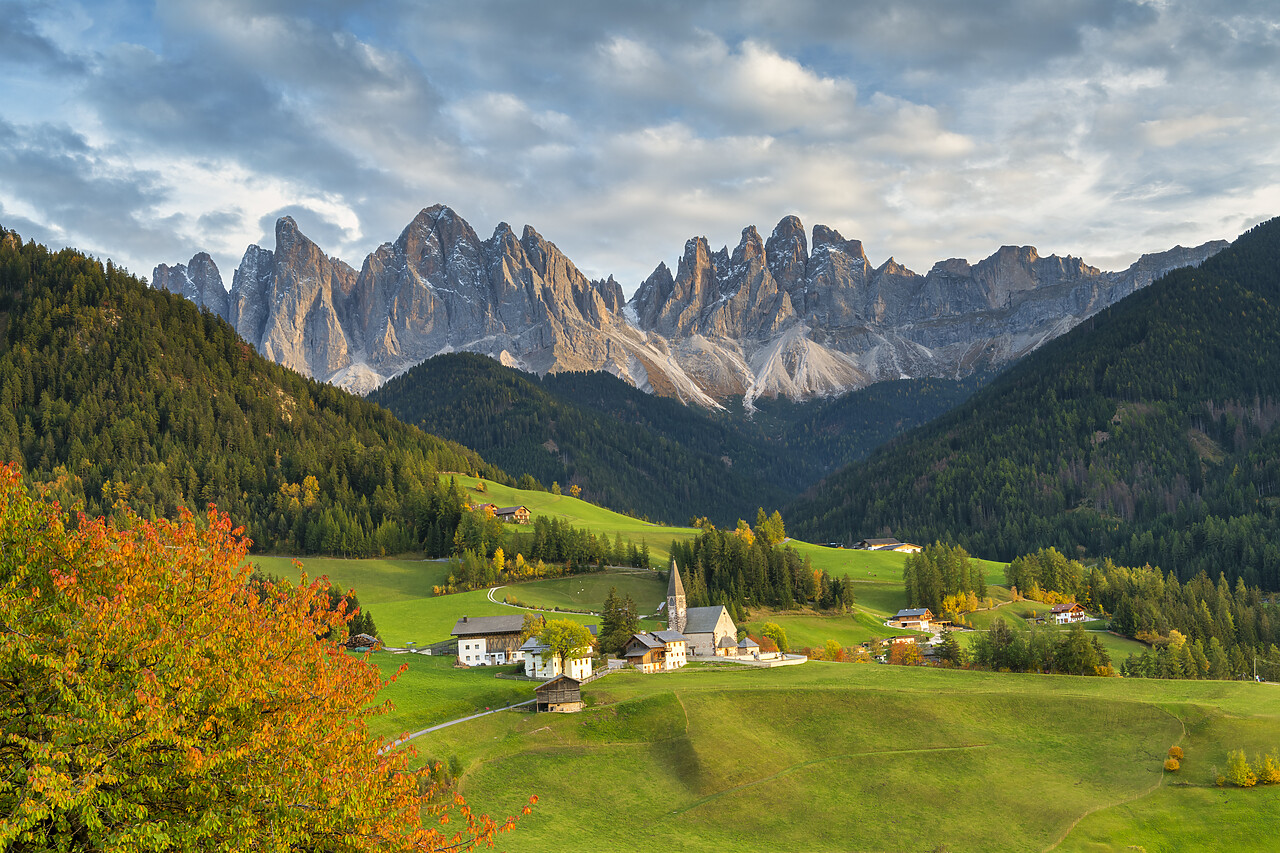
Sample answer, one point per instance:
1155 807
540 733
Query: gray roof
507 510
469 626
880 542
919 611
748 643
702 620
674 586
532 645
671 636
726 643
647 639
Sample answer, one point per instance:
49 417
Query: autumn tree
153 697
1239 773
834 651
775 632
566 639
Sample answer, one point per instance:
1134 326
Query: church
709 630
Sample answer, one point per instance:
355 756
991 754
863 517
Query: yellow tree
153 697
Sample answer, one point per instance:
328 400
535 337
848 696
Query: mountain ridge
771 318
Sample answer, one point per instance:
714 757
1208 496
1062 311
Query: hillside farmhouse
560 695
1067 612
709 630
659 651
917 619
887 545
541 662
488 640
512 514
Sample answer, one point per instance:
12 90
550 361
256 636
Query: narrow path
435 728
492 590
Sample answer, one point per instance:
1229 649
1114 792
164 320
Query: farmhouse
560 695
488 639
541 662
1067 612
512 514
706 628
659 651
917 619
888 545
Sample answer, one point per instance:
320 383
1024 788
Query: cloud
926 128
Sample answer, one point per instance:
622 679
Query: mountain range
783 316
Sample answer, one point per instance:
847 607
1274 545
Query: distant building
706 628
560 695
488 640
1061 614
512 514
917 619
887 545
657 651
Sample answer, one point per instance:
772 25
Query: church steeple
677 613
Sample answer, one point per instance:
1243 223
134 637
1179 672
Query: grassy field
579 513
588 592
869 757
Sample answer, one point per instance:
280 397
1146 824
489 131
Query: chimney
464 619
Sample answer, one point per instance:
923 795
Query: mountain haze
776 317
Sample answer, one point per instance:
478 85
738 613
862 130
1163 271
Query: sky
928 129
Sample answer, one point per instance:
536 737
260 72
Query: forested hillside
1146 434
649 455
115 391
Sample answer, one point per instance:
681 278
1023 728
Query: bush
1239 773
1268 770
1171 764
1175 752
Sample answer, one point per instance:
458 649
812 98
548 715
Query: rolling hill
111 390
1146 434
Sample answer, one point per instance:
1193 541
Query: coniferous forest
113 391
1146 434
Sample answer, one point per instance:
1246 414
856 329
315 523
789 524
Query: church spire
677 613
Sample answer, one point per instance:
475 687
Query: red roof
1066 608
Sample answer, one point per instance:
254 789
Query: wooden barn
512 514
560 695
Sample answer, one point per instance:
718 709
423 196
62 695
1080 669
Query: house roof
1065 607
674 586
918 611
748 643
671 636
508 510
726 643
647 639
532 644
702 620
556 682
878 542
470 626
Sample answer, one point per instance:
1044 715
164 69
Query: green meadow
868 757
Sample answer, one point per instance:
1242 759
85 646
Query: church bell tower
677 612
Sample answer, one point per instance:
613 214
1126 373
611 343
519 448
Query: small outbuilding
560 695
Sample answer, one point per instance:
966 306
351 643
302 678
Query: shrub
1175 752
1239 773
1171 765
1268 770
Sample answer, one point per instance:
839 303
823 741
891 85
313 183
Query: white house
916 619
1067 612
541 662
488 640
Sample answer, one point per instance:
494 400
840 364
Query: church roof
702 620
726 643
674 586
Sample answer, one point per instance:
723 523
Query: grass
811 629
588 592
866 757
579 513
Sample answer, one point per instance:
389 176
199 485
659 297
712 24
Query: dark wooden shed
562 695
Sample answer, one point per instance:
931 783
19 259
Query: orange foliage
156 698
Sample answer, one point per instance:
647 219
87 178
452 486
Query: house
705 628
560 695
512 514
917 619
1067 612
657 651
888 545
486 640
541 662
